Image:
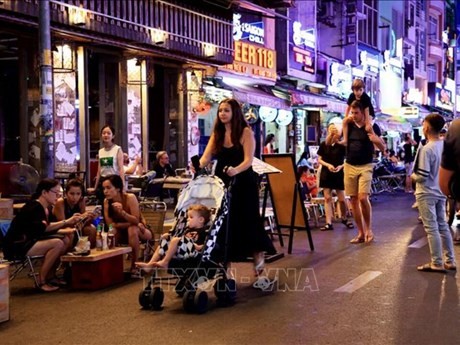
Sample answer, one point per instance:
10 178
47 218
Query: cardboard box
4 293
6 208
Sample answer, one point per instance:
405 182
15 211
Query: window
432 73
422 50
385 35
433 28
368 27
397 19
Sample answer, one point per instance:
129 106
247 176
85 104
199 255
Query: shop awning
448 115
304 99
388 122
255 96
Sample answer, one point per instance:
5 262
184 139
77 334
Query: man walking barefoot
358 170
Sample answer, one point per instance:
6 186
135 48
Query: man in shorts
449 174
358 170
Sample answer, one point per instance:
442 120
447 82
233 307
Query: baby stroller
208 269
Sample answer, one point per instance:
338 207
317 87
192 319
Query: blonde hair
330 133
357 84
161 154
202 211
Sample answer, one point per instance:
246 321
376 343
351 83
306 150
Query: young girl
72 203
268 145
110 160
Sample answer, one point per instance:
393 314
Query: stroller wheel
188 300
220 289
144 298
225 291
180 287
231 291
201 302
156 298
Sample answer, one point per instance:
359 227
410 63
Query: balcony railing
156 24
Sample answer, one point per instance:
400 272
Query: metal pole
46 92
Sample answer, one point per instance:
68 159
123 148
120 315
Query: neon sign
303 37
253 60
253 32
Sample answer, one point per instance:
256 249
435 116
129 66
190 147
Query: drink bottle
111 237
99 239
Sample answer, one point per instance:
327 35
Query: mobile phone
97 210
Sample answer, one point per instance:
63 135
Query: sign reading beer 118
253 60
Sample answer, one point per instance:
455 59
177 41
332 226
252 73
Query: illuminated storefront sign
409 112
302 60
302 49
369 62
391 63
443 98
303 37
253 60
253 32
340 79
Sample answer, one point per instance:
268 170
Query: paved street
338 294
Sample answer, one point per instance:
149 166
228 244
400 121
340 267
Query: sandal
348 223
369 238
450 266
259 267
46 288
327 227
430 268
357 239
57 282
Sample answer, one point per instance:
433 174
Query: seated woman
122 211
308 180
72 203
31 233
187 246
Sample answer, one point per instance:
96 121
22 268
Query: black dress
246 231
335 155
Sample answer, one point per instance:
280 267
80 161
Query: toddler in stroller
182 247
191 252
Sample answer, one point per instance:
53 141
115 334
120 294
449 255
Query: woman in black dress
331 156
232 143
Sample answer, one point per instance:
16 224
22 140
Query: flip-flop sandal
450 266
428 268
369 238
357 240
348 223
46 288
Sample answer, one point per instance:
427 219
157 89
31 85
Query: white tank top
108 161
